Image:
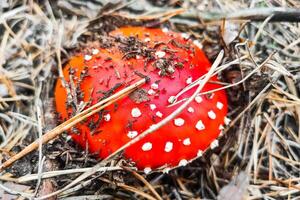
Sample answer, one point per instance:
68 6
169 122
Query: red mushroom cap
172 62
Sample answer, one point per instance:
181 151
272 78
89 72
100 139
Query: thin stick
71 122
253 14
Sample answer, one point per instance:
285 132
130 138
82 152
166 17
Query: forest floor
259 155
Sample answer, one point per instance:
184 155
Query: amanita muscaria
172 62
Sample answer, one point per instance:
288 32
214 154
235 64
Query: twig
254 14
50 174
72 121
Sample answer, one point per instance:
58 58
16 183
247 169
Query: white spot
221 127
189 80
183 162
152 106
154 86
198 99
214 144
147 170
147 146
179 122
187 142
219 105
199 153
165 30
153 126
227 121
185 35
160 54
87 57
171 99
135 112
132 134
212 114
168 146
159 114
107 117
151 92
200 126
166 170
198 44
95 51
147 39
191 109
138 57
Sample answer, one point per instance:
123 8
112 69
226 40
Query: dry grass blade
72 121
130 188
141 178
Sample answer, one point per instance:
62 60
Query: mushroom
172 62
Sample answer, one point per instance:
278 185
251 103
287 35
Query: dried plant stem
253 14
50 174
71 122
